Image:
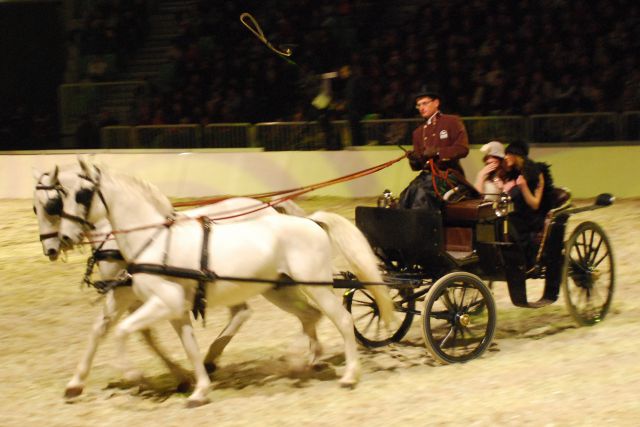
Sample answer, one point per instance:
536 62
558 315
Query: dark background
32 59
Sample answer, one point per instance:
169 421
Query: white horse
159 305
48 208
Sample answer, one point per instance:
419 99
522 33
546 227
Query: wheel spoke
362 303
446 338
595 250
605 256
475 305
441 315
447 301
369 324
577 246
364 316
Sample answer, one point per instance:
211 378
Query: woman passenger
490 179
530 186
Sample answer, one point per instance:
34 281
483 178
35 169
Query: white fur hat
493 148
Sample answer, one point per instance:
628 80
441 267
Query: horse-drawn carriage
448 261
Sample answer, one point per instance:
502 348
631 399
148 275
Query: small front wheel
459 318
369 327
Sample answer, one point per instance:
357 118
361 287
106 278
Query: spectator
87 133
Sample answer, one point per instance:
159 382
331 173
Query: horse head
47 205
82 209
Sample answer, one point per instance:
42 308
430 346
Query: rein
437 173
300 190
286 195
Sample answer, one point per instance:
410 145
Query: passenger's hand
489 167
520 181
508 186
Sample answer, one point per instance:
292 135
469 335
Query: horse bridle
53 207
84 197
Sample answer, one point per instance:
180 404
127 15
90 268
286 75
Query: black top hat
426 91
518 148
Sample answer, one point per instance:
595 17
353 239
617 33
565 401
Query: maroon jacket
448 135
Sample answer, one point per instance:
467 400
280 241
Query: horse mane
145 189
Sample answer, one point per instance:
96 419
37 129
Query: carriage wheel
459 318
588 274
369 327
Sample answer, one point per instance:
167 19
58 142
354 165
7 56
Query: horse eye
34 210
53 207
84 196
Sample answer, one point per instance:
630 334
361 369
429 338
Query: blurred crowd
105 34
486 57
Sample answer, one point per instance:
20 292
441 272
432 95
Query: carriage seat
459 219
466 213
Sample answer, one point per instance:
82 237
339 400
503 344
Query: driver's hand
416 162
430 152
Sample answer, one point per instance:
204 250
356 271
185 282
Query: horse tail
352 252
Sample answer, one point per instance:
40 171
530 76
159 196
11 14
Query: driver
443 138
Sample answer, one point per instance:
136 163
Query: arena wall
586 170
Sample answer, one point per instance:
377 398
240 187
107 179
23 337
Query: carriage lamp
387 200
503 205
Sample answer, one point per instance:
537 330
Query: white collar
430 119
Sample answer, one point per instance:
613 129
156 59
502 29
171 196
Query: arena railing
575 127
280 136
631 125
229 135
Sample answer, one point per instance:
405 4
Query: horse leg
183 377
238 315
153 310
112 310
292 300
332 307
184 328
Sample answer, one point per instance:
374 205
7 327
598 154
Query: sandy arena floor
541 371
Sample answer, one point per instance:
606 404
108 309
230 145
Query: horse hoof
351 385
184 386
210 367
71 392
195 403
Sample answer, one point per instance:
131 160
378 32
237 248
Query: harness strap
104 286
179 272
48 236
200 299
78 220
108 255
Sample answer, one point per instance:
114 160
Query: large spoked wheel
370 330
459 318
588 274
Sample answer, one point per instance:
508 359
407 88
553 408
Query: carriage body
466 247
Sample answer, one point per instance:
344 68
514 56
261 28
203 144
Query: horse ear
84 165
36 174
54 177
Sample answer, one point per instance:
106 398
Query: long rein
288 194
